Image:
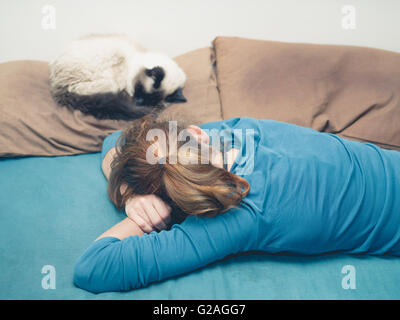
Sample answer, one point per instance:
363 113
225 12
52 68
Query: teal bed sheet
52 208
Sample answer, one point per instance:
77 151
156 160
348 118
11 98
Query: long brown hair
192 189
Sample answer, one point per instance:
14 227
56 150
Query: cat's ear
158 74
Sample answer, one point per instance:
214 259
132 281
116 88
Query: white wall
176 26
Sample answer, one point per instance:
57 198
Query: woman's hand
149 212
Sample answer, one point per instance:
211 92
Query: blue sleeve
220 125
110 264
109 143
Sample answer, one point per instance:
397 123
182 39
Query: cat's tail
116 106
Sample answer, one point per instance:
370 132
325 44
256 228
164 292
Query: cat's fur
111 76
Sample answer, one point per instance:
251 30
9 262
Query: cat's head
161 81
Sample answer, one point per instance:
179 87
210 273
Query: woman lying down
243 185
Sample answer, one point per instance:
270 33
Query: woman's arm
119 262
108 152
147 213
106 163
122 230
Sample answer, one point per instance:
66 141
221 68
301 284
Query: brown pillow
32 124
350 91
200 90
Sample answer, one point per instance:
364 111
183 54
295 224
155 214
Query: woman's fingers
135 212
142 224
152 214
163 209
150 211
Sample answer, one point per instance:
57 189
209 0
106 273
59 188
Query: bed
53 200
52 209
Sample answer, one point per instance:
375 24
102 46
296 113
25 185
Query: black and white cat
112 77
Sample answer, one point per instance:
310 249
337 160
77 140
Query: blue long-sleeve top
310 193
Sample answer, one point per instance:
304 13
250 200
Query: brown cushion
32 124
350 91
200 90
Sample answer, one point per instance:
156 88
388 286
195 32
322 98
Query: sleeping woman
244 185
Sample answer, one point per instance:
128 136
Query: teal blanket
51 209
